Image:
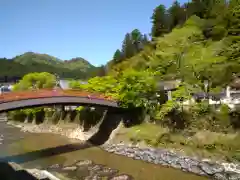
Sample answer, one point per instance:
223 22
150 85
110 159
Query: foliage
118 56
138 89
204 144
132 89
234 18
177 14
181 94
165 109
36 81
107 85
133 43
160 21
79 108
191 42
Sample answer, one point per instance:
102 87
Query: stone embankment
70 132
163 157
215 170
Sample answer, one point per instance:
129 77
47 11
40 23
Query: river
55 153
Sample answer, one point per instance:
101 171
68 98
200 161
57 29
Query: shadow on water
9 173
110 122
30 156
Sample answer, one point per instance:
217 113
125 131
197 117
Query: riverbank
69 130
217 170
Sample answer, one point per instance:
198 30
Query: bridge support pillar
112 120
34 120
62 114
29 118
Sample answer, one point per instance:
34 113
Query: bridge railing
44 93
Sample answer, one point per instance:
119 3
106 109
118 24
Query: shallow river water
44 151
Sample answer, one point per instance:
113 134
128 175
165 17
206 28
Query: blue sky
92 29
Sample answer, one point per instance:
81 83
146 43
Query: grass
202 144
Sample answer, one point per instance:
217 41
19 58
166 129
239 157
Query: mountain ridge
77 68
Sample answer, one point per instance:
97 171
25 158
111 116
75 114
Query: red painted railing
43 93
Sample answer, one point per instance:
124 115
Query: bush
202 116
18 115
235 119
201 109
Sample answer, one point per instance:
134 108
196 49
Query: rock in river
70 168
121 177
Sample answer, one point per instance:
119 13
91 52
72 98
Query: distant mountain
78 62
31 57
77 68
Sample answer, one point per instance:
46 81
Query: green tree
234 18
36 81
159 21
137 40
117 57
128 48
101 71
145 40
177 14
137 88
132 89
214 7
107 85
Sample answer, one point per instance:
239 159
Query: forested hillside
192 41
198 44
77 68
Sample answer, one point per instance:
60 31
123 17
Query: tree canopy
36 81
190 42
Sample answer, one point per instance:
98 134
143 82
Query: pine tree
128 48
101 71
145 40
213 7
177 14
159 21
199 7
117 57
234 18
137 37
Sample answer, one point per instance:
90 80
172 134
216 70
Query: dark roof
235 95
202 95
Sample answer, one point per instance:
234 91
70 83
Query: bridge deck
45 93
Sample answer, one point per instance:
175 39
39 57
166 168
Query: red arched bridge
18 100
